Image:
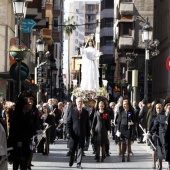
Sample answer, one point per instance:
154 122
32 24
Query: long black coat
77 127
21 130
161 128
100 127
127 132
167 140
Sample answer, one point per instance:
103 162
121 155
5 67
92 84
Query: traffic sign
27 25
168 63
14 71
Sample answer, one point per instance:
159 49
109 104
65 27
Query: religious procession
111 110
28 128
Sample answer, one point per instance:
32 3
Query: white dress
90 72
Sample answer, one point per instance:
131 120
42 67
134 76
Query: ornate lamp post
19 9
146 38
40 50
150 46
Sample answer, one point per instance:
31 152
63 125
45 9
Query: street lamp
19 9
146 38
40 50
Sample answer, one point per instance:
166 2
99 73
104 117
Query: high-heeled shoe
128 158
123 158
154 166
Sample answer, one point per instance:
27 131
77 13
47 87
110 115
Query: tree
69 27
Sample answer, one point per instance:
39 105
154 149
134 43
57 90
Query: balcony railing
106 49
126 8
126 42
107 31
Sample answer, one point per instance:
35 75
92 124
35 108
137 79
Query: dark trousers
77 149
22 163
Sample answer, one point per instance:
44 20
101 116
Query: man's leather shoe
79 166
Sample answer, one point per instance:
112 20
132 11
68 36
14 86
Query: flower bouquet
87 95
19 52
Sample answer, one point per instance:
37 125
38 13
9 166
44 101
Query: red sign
168 63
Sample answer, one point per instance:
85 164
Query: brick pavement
57 159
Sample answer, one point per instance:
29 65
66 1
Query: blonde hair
60 104
112 103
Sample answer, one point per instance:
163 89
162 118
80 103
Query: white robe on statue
90 72
3 149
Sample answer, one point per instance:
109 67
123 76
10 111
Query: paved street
57 159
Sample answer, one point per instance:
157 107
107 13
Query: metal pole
19 76
51 82
146 72
68 90
18 60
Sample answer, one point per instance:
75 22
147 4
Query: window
56 23
90 7
76 33
126 28
76 41
108 22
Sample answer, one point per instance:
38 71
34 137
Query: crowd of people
30 128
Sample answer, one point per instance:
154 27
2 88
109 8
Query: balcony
47 34
106 49
91 11
126 8
107 31
126 42
106 13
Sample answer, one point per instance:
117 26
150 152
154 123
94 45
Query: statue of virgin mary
90 72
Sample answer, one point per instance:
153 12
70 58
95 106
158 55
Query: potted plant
19 52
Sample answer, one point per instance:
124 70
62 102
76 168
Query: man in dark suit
78 131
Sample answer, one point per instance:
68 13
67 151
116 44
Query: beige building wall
7 22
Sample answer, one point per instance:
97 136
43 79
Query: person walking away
78 131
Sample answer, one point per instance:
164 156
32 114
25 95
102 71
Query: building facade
44 14
161 75
129 18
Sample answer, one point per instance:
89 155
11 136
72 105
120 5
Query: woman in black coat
162 139
126 128
100 128
156 110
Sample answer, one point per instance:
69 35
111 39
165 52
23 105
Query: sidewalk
57 159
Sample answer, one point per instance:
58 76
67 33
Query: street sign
27 25
168 63
24 71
